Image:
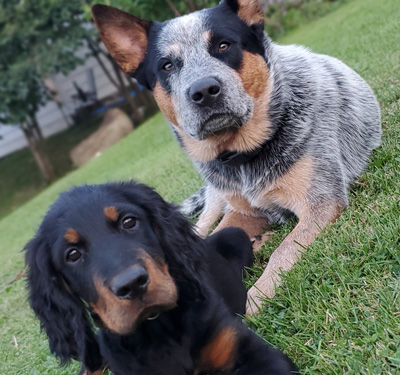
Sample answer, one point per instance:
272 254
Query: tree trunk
96 52
36 147
36 129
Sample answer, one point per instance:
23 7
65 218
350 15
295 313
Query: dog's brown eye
168 66
73 255
128 222
223 46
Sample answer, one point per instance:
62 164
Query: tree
159 10
37 38
21 95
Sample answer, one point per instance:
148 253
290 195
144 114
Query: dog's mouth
217 124
153 312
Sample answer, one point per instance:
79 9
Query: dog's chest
263 189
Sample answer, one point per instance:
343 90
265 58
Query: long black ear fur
62 316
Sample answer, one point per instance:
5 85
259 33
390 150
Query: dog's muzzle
217 124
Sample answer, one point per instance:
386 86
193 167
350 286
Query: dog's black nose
205 92
131 283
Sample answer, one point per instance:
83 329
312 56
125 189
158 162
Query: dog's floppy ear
62 315
124 35
249 11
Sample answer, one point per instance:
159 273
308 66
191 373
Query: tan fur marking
165 103
98 372
255 76
71 235
220 353
238 203
252 225
111 213
251 12
121 316
291 189
207 36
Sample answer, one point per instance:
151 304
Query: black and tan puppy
166 301
274 130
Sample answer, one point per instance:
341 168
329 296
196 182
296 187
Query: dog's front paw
262 289
259 241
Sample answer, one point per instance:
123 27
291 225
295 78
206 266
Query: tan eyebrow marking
207 36
71 235
111 213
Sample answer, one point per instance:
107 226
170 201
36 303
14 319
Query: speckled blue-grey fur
183 38
191 206
318 107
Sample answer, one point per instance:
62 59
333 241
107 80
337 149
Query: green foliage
154 10
37 38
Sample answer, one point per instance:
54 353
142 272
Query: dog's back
331 106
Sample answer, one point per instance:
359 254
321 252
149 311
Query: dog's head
118 249
207 70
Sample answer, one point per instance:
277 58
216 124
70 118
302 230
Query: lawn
338 311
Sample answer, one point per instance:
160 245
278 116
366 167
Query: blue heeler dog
274 130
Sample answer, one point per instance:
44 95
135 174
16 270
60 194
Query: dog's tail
193 205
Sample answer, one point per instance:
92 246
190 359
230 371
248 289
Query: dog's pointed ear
249 11
124 35
62 315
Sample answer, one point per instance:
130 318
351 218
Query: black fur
207 274
226 25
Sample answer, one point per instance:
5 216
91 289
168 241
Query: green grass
284 17
338 311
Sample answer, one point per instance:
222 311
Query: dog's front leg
215 206
289 251
242 215
254 226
